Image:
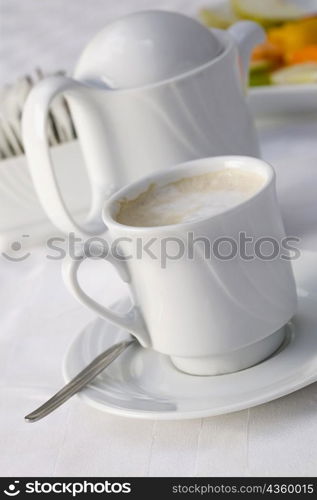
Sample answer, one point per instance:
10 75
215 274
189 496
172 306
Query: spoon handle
81 380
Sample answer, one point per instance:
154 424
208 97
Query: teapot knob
247 34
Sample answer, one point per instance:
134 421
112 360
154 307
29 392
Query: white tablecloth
39 319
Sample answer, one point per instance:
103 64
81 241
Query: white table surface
39 318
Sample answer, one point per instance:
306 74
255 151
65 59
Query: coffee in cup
189 198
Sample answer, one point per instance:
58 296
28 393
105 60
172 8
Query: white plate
282 100
144 384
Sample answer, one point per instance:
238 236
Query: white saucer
144 384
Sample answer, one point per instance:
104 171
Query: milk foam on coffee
189 198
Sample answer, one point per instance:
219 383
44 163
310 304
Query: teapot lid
146 47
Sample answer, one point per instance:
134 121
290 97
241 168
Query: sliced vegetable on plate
221 16
297 74
270 12
289 53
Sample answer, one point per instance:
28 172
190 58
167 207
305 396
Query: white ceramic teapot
151 90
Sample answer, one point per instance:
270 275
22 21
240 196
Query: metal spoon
81 380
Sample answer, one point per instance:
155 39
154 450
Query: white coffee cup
210 316
151 90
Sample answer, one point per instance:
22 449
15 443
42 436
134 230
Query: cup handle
131 320
37 150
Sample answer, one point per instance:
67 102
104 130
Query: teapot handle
246 35
34 130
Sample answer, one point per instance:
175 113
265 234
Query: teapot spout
246 34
